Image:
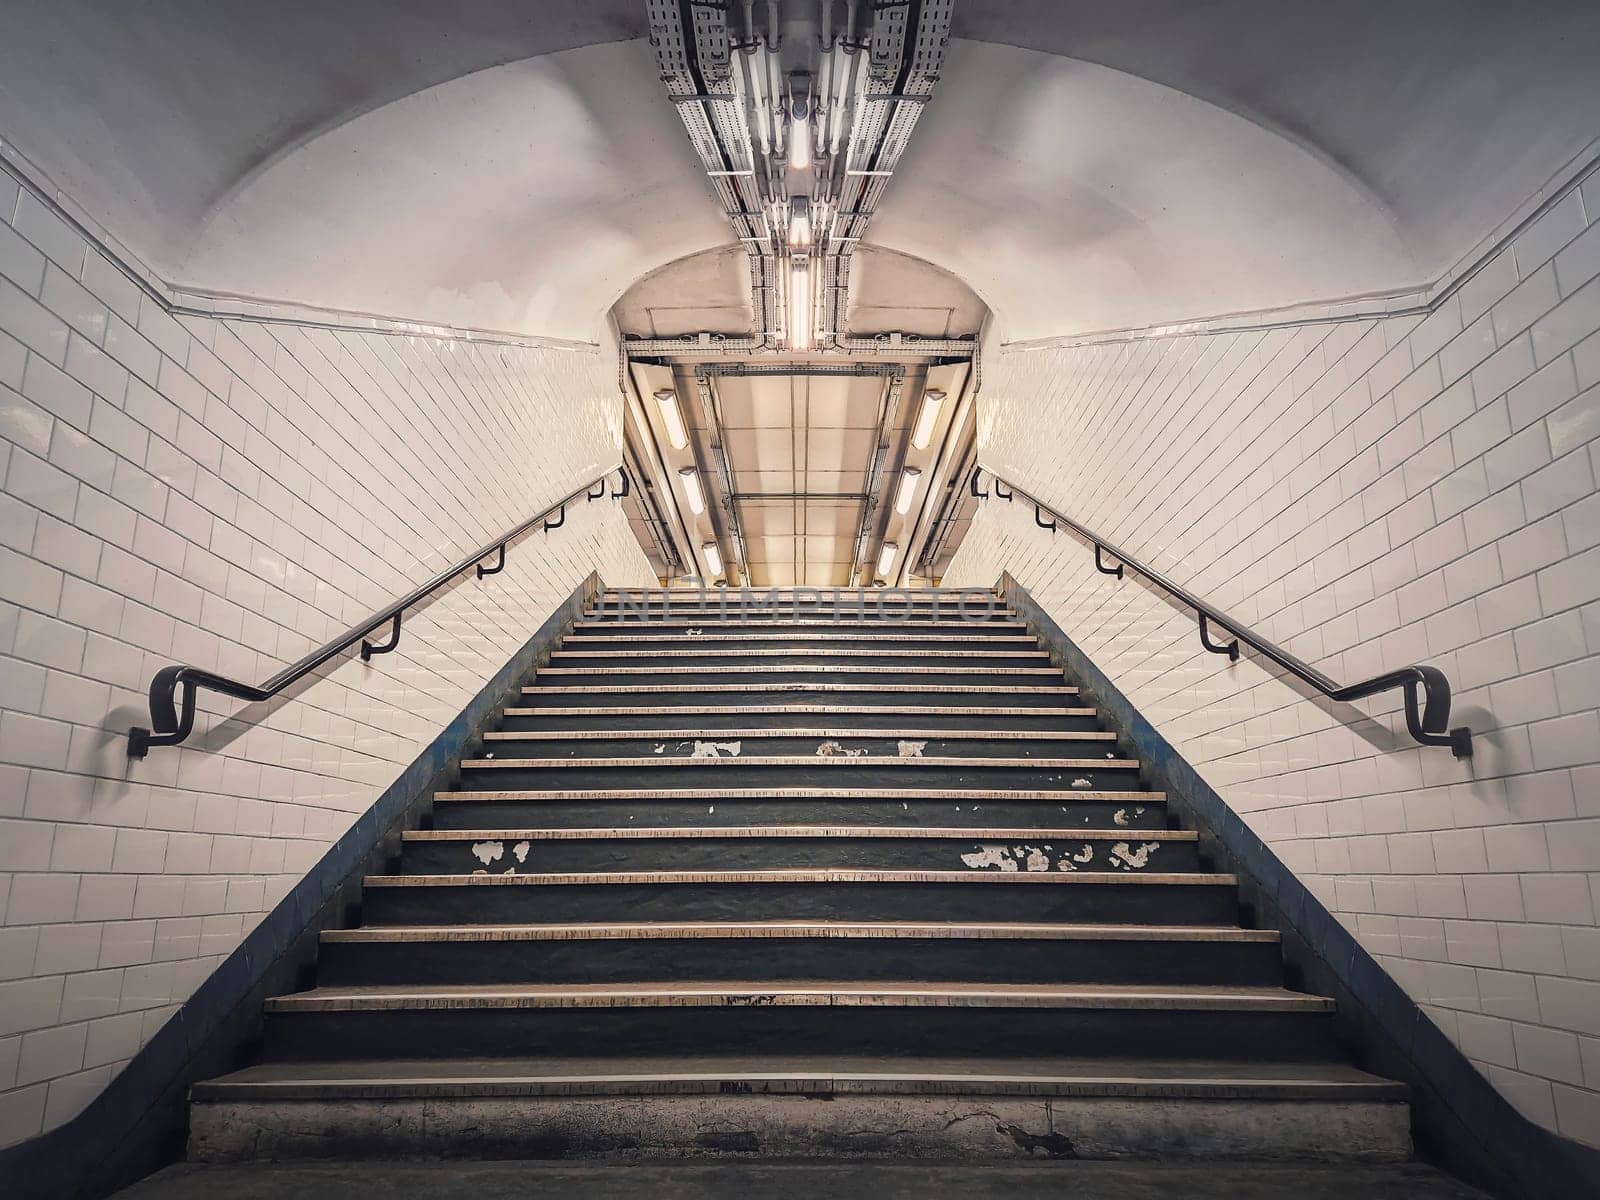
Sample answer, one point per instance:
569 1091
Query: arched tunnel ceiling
509 164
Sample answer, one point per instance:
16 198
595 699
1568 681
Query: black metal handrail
1427 718
171 724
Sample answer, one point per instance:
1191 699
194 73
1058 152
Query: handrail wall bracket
1425 689
173 690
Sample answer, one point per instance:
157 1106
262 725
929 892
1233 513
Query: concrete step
788 951
837 739
706 717
882 691
708 806
957 675
819 1017
845 772
752 847
832 894
711 1165
787 658
942 1109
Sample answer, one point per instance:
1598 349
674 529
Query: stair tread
784 685
800 929
782 651
811 1074
801 875
659 735
812 668
801 760
809 793
774 709
912 832
931 994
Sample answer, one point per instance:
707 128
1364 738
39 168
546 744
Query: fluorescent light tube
932 402
690 478
672 418
908 489
886 558
799 304
799 143
713 558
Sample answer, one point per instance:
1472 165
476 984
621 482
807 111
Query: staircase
782 882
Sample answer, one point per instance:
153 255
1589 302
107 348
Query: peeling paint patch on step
488 852
911 749
1136 859
990 856
1120 817
831 749
1039 1145
520 850
717 749
1082 784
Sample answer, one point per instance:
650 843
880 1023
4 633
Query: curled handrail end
973 483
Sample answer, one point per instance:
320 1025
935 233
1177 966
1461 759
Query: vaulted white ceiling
514 165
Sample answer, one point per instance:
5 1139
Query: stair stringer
139 1123
1459 1121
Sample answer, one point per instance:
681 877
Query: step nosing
839 760
795 709
659 735
820 875
761 832
780 685
801 930
806 793
932 995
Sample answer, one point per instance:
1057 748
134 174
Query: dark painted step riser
620 675
1159 904
689 719
656 624
656 812
849 775
752 1030
678 749
755 854
936 642
954 661
609 694
795 960
976 611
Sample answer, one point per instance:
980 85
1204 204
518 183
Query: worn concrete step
691 694
836 740
806 637
840 771
707 717
986 1019
825 994
848 894
786 951
703 674
943 1111
943 807
764 846
789 658
678 621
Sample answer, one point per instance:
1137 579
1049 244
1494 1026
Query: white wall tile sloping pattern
1367 494
232 494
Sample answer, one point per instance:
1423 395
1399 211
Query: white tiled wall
231 495
1368 494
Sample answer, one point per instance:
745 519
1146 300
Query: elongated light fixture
799 227
932 402
908 489
799 303
799 138
673 419
886 557
713 558
690 478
